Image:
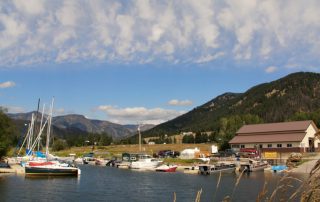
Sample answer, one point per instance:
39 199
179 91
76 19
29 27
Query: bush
59 145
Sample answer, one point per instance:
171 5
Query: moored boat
101 162
46 166
145 162
51 169
253 165
166 168
207 169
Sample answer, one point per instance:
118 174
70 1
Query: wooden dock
15 168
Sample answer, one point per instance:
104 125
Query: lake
112 184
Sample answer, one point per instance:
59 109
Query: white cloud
185 31
271 69
209 58
138 114
33 7
7 84
176 102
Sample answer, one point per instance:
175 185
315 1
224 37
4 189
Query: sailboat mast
34 129
139 138
49 128
41 124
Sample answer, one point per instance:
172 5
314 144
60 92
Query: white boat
78 161
207 169
89 160
253 165
145 162
51 168
101 161
48 167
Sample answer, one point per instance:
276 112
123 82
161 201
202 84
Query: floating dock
15 168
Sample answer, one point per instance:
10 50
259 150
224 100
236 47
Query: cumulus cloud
134 115
176 102
7 84
36 31
271 69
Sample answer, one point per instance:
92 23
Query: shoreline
305 167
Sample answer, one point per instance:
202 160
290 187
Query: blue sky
148 61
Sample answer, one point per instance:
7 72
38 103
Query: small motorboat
207 169
101 162
166 168
145 162
253 165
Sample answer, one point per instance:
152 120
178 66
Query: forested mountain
294 97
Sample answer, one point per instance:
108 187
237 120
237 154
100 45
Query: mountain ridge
80 122
274 101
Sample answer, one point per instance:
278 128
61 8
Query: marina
112 184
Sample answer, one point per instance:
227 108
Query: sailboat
46 166
30 142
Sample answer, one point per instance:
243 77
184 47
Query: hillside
276 101
74 124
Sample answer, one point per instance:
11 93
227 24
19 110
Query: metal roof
272 132
293 137
275 127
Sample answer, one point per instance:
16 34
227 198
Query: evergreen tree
7 131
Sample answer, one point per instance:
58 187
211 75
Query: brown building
277 138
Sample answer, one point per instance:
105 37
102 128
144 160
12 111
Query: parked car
248 153
168 153
226 153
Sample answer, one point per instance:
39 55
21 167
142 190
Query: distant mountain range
276 101
80 123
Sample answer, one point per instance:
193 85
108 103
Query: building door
311 144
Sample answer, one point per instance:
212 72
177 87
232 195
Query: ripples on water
111 184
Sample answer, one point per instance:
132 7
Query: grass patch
178 161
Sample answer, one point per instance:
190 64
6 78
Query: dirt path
305 167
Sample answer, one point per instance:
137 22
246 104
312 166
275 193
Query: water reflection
111 184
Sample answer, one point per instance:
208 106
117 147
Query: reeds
237 183
217 186
312 192
198 195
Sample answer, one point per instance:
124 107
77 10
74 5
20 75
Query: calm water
112 184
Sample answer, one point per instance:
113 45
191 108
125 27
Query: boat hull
43 171
212 169
169 169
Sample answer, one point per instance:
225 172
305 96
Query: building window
242 146
279 145
289 145
260 146
235 146
269 145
